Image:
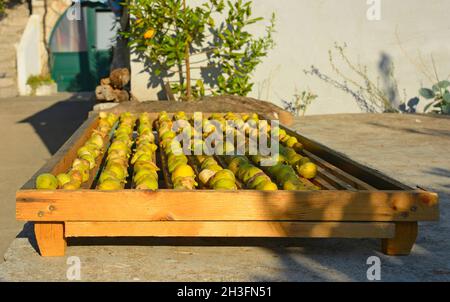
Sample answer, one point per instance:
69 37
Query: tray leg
50 238
403 241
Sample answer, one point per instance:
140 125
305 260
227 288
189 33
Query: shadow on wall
57 123
150 68
88 78
372 95
390 86
209 70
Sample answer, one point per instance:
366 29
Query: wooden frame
357 202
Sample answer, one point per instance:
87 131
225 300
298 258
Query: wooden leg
50 238
403 241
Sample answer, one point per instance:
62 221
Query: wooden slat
136 205
231 229
335 181
353 181
306 182
322 183
164 168
366 174
63 158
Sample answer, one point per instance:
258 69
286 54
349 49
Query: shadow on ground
57 123
413 130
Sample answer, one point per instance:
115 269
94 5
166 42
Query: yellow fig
62 178
76 175
307 170
267 186
222 174
187 183
110 185
90 159
183 171
71 185
120 171
147 183
225 184
291 141
107 175
46 181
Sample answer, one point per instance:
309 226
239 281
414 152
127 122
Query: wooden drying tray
356 202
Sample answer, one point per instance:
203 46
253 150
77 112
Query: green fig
110 185
46 181
62 178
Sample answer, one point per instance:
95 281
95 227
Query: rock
119 77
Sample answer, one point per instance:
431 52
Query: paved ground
31 129
412 148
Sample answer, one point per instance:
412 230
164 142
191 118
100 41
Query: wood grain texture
231 229
333 180
331 169
403 241
141 205
50 238
366 174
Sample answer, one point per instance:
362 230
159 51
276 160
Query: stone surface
32 129
411 148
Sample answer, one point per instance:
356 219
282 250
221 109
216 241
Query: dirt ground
411 148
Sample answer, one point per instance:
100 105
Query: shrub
168 33
440 95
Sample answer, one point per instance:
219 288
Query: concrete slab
411 148
31 129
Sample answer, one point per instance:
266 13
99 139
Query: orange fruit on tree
149 33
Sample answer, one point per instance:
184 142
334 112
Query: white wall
409 32
28 53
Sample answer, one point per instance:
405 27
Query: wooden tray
356 202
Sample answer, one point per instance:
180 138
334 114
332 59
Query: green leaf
427 93
443 84
446 97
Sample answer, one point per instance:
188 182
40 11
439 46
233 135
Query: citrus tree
175 39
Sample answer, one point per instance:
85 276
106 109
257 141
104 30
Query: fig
205 175
222 174
76 175
291 141
118 170
182 171
72 185
90 159
46 181
110 185
307 170
107 175
147 183
267 186
62 178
